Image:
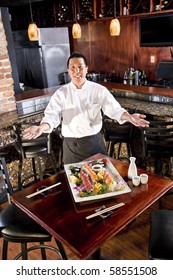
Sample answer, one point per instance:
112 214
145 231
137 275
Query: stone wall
7 100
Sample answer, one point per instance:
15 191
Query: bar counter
167 92
31 104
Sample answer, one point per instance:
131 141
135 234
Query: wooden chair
161 235
17 227
33 149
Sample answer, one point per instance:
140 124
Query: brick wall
7 100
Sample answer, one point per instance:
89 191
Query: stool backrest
21 143
113 131
158 138
5 186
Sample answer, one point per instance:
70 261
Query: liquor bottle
125 78
86 10
131 76
138 7
143 80
132 170
164 5
113 77
136 78
125 8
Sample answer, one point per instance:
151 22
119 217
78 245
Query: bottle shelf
55 13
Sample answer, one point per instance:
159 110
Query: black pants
78 149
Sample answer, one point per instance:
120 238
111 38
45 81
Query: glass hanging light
115 24
33 32
76 28
76 31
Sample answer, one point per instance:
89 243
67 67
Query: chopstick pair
105 210
43 190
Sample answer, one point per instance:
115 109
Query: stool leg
158 165
39 168
119 150
61 249
53 163
43 251
96 255
24 251
60 160
20 174
111 149
128 150
4 249
34 169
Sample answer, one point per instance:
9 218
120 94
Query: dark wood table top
66 220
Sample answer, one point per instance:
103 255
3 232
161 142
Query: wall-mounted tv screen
156 31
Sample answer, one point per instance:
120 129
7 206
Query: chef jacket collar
83 87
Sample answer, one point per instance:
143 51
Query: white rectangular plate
111 170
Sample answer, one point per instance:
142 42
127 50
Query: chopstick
105 210
43 190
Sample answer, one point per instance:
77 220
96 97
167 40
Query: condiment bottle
132 170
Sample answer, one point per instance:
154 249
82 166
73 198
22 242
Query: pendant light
33 33
76 28
115 24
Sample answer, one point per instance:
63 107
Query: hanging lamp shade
76 31
115 27
76 28
115 24
33 33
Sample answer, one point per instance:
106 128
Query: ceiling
12 3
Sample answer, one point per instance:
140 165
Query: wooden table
66 220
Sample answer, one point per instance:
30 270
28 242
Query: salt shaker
132 171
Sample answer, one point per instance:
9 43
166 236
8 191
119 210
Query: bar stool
17 227
114 133
157 142
161 235
33 149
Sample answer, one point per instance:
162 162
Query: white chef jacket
79 110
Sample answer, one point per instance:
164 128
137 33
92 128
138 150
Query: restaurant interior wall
7 103
107 54
104 53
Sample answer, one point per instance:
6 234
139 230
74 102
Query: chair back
21 143
113 131
5 186
157 139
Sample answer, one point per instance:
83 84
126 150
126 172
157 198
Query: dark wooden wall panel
107 54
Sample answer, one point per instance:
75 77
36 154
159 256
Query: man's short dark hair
77 55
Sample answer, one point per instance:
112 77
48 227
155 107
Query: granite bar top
147 92
28 104
31 104
155 101
35 94
151 108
